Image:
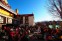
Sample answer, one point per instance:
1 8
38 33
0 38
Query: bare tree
55 7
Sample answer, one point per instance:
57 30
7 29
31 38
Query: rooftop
26 15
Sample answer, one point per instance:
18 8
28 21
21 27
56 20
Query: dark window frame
4 20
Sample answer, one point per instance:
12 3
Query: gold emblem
6 1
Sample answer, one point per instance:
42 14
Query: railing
7 8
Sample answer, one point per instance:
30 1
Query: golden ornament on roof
5 1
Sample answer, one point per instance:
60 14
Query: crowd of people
17 33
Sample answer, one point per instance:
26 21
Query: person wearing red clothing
48 38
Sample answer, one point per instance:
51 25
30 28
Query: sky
37 7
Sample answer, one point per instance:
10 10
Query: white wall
31 20
23 20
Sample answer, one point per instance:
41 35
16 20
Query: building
6 13
26 19
8 16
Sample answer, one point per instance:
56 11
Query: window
21 20
2 19
9 20
26 18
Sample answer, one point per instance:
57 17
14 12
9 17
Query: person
24 36
49 38
9 38
42 32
